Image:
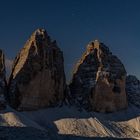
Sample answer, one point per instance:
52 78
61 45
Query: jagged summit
40 31
98 81
92 45
39 37
93 48
40 34
96 44
37 79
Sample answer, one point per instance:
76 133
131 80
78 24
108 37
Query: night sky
74 23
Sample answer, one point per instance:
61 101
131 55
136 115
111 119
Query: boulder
37 79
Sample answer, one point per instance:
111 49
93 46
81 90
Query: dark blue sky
74 23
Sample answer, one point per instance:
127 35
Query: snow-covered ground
69 121
71 124
15 126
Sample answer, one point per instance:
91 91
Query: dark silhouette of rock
2 81
98 81
133 90
37 79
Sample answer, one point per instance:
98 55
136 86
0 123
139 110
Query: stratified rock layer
99 80
37 79
2 81
133 90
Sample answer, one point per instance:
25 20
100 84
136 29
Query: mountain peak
99 76
92 45
38 68
40 31
97 45
39 34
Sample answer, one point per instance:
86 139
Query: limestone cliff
37 79
98 81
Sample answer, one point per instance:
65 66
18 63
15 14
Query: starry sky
74 23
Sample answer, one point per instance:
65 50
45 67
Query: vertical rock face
133 90
37 79
2 81
99 80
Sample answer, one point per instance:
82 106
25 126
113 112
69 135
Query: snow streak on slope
68 121
15 126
